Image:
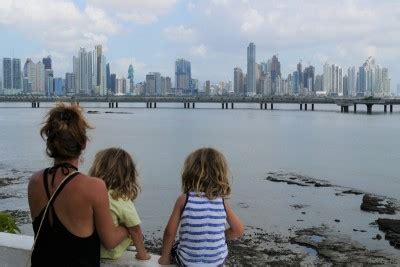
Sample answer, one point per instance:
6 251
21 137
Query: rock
352 192
337 220
355 230
372 203
303 212
378 236
299 220
322 185
391 228
298 206
337 249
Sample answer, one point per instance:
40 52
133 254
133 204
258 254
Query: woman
78 218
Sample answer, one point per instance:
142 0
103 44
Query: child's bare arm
236 228
137 236
170 230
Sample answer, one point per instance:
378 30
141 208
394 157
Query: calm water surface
353 150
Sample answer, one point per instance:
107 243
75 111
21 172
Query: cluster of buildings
265 78
91 76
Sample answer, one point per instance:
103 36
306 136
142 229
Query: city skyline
209 34
91 75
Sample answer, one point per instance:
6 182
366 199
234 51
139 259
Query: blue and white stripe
202 232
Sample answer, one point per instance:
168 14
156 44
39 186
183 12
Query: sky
212 34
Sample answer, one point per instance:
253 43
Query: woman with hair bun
70 210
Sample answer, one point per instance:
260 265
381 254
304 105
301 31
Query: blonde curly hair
206 171
117 169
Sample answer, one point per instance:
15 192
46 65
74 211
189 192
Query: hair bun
65 115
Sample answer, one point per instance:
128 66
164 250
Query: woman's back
67 236
202 231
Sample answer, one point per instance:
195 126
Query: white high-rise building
352 81
333 79
34 77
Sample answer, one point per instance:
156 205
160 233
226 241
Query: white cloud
58 25
252 21
199 50
179 33
138 11
191 6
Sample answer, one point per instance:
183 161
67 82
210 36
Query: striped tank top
202 232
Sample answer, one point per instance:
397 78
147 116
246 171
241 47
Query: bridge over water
225 101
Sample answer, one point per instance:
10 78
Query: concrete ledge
15 249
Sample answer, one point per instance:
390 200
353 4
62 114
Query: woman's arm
170 230
236 228
110 235
137 236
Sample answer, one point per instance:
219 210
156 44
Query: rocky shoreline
304 245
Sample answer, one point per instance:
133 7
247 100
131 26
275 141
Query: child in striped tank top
201 213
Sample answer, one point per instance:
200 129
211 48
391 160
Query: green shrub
7 224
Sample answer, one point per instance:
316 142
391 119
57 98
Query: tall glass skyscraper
251 69
183 76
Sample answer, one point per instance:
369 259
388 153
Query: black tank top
56 246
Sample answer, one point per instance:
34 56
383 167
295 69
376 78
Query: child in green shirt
117 169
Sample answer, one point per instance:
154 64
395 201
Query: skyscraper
131 77
275 68
208 88
101 86
113 83
108 74
238 81
59 87
251 69
47 63
48 79
153 84
70 83
82 72
12 76
35 78
309 78
183 76
300 72
351 81
7 75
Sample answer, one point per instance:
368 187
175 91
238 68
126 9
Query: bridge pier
35 104
223 105
355 108
265 105
369 108
116 104
341 109
232 105
151 105
312 107
193 105
385 108
155 104
301 106
391 108
261 105
305 107
346 109
272 105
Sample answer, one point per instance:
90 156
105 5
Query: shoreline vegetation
316 245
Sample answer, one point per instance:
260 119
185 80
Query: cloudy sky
212 34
